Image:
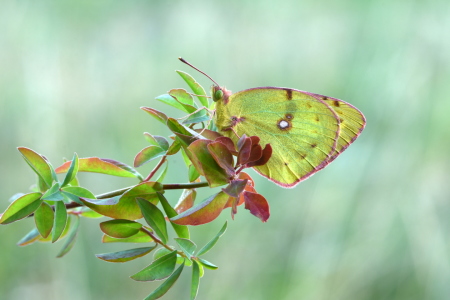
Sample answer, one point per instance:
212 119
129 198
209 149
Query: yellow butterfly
307 131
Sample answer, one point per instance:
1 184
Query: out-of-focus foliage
374 225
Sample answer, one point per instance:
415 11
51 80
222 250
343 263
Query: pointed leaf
187 246
21 208
154 217
39 165
139 237
181 230
197 117
148 154
211 243
207 264
198 90
73 170
126 255
257 205
174 147
29 238
163 288
193 173
120 228
161 117
181 131
195 279
74 193
53 194
43 217
71 238
157 270
100 165
204 212
60 220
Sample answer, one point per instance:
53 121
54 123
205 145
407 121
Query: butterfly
306 131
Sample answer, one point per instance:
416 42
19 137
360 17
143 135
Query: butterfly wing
302 129
352 123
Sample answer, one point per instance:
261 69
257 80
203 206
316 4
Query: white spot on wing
283 124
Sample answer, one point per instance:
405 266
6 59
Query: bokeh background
375 224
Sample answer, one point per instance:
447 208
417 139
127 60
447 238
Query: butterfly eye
218 95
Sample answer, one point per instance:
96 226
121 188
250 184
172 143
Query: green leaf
127 208
205 163
163 288
53 194
60 220
158 269
154 217
183 97
211 243
197 117
71 238
207 264
140 237
101 165
29 238
193 173
43 217
169 100
161 252
148 154
181 230
75 192
73 170
126 255
182 132
195 87
174 147
195 279
157 140
21 208
120 228
187 246
161 117
39 165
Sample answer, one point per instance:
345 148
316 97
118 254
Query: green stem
158 241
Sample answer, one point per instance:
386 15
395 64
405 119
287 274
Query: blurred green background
375 224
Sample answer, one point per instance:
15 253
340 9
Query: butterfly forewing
302 129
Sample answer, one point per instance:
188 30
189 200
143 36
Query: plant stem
163 159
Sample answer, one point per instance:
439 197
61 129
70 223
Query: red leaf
257 205
235 188
266 154
244 151
222 156
186 201
228 143
204 212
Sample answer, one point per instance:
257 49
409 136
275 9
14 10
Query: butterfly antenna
190 65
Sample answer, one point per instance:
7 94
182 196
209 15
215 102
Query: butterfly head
220 94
